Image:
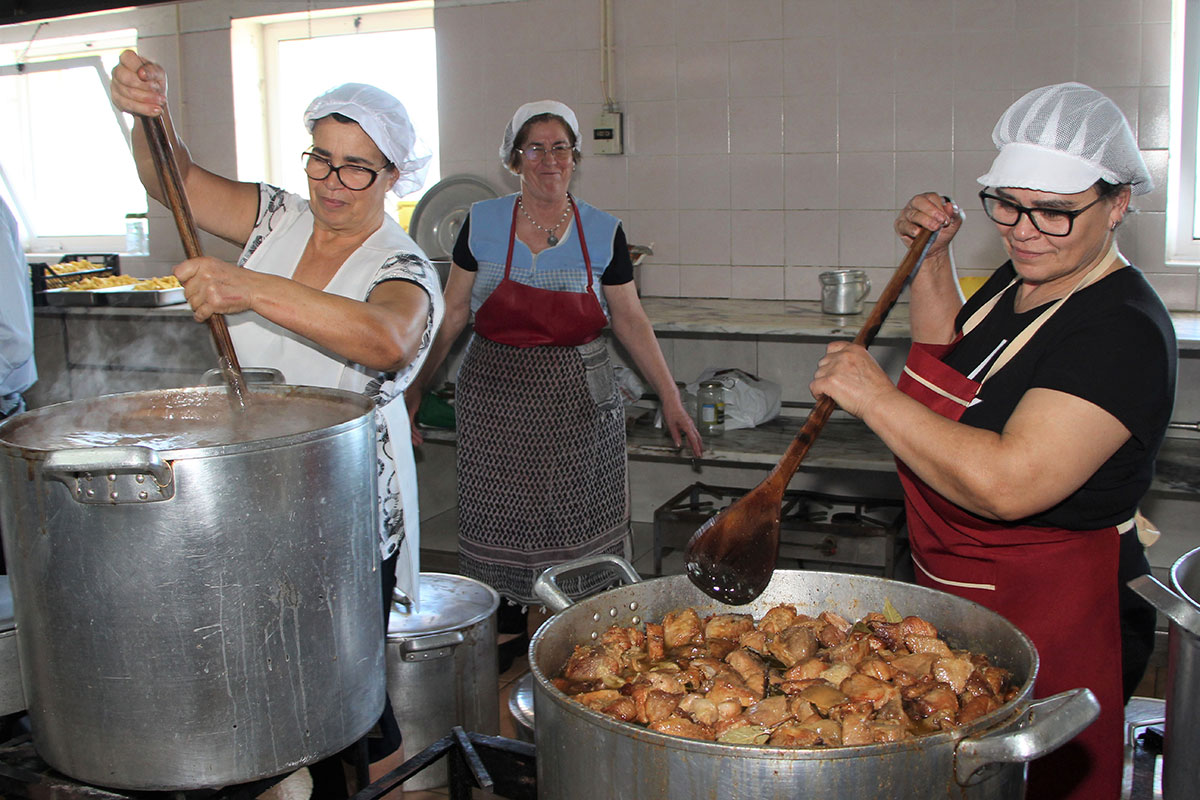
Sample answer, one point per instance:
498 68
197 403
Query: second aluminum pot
586 755
441 665
1181 604
197 615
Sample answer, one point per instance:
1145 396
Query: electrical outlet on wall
606 136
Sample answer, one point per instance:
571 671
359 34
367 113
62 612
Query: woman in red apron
1026 421
541 430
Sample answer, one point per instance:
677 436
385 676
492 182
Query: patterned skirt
541 465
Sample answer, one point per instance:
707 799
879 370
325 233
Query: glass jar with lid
710 408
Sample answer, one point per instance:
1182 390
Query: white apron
261 343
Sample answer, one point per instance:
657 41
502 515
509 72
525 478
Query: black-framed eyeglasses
535 152
1049 221
352 176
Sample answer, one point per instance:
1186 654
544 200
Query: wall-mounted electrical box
606 136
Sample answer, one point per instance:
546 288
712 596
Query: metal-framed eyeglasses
536 152
1048 221
353 176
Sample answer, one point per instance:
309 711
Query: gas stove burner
861 535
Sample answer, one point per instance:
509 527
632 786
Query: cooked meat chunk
621 639
823 696
679 726
680 627
927 644
599 699
769 712
777 619
656 649
653 704
857 730
954 671
806 670
859 687
591 663
975 708
793 735
699 708
751 668
623 708
724 691
938 707
728 626
793 645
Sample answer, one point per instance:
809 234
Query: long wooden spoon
732 556
172 183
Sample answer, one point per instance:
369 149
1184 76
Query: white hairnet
523 115
383 118
1063 138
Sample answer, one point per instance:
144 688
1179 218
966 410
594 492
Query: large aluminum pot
441 665
205 611
583 754
1181 604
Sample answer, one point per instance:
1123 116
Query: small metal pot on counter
1181 604
586 755
441 665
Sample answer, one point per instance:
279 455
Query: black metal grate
817 531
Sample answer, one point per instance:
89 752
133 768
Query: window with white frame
65 165
281 62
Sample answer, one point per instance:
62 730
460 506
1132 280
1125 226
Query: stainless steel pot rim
31 452
1006 714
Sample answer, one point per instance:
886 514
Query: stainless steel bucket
441 666
199 616
585 755
1181 604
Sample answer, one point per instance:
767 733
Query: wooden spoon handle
819 415
172 185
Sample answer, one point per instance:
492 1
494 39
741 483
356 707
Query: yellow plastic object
971 283
404 212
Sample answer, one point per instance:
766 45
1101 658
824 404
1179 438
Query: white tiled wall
765 139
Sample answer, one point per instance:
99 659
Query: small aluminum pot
586 755
441 666
1181 604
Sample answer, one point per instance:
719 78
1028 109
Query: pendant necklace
551 233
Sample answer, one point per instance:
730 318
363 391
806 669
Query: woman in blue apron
1027 419
541 428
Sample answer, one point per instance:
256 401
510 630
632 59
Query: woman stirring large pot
330 290
541 431
1027 420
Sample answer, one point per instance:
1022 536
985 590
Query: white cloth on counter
280 235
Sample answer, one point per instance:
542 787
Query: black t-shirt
1111 344
618 271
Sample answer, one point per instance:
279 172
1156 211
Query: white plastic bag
749 400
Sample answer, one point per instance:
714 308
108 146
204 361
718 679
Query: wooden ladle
732 556
172 184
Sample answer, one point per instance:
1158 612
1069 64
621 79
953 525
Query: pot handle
1046 725
546 586
215 377
427 648
112 475
1181 612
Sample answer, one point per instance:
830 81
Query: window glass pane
308 67
63 151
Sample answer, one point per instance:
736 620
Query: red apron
520 315
1057 586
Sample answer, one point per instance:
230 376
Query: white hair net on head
383 118
1063 138
525 113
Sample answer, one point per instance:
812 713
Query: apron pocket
598 373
